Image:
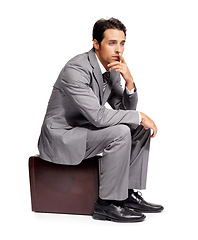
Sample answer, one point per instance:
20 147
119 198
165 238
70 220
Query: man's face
111 46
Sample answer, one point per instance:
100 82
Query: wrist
130 84
142 117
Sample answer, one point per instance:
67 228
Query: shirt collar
103 70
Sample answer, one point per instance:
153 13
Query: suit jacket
77 104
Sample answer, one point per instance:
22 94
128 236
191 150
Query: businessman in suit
78 125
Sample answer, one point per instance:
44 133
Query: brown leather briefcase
63 189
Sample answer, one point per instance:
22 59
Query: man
77 124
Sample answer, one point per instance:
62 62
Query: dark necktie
106 76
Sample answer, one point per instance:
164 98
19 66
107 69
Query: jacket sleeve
75 82
119 99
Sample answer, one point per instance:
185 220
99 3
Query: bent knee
123 130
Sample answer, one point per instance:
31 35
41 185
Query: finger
113 64
121 58
153 135
154 132
117 67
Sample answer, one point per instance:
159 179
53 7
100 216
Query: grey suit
78 125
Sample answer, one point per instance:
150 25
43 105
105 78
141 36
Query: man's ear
96 44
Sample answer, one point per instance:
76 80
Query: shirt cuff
130 92
140 118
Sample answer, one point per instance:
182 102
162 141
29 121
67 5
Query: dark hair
102 25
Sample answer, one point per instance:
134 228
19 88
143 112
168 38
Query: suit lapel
96 72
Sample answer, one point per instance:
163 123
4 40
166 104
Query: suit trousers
124 161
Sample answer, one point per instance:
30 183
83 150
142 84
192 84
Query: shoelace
139 195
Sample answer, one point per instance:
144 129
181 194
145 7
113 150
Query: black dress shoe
135 201
116 213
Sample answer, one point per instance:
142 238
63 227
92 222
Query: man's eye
111 43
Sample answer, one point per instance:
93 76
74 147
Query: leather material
58 188
116 213
135 201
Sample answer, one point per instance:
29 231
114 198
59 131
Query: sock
108 202
103 202
130 191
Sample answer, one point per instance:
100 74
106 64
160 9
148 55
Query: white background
37 38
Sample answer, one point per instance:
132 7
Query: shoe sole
97 216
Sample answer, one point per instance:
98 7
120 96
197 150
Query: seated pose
78 125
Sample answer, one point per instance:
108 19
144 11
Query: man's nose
117 50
